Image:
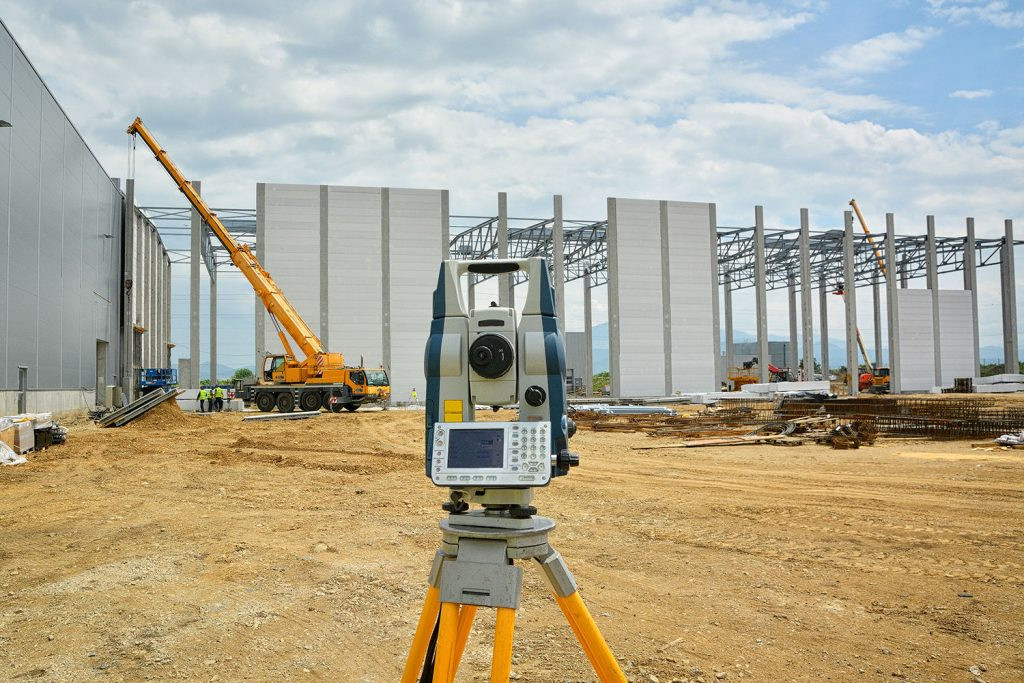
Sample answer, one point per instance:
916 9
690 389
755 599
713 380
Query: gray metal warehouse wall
359 264
60 253
60 219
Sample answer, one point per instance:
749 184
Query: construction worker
413 398
204 396
218 399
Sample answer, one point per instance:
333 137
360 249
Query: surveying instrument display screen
491 454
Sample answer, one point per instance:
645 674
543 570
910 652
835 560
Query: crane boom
241 255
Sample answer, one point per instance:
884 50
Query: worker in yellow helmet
204 396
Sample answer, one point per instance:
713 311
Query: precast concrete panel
637 274
575 354
956 334
354 296
694 334
292 246
916 345
415 226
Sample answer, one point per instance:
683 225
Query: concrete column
446 229
261 316
213 326
794 357
151 324
139 285
184 370
195 267
147 295
505 294
730 351
613 296
904 272
324 270
876 302
932 272
588 336
385 275
1011 348
807 309
850 290
823 295
158 314
892 301
558 262
666 300
760 293
971 284
716 337
168 330
128 292
472 291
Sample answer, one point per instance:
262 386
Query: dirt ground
205 548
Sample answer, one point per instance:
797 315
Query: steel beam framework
586 251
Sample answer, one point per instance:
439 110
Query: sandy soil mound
167 415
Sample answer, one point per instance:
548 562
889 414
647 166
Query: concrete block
1002 388
999 379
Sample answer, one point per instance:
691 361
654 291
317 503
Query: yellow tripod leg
445 651
501 660
593 643
421 640
465 625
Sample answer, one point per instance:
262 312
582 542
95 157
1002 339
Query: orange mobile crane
321 378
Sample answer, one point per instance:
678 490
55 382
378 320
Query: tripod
474 567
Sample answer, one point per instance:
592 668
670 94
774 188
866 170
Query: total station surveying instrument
487 356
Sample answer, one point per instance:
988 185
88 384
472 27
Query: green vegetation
600 380
989 369
241 373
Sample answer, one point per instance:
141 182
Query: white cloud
878 53
996 13
586 100
971 94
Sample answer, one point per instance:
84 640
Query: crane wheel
336 407
310 400
265 402
351 407
285 402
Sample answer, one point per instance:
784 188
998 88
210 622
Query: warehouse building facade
70 295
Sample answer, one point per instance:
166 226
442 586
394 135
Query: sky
912 107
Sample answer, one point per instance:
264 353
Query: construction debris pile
27 432
840 423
